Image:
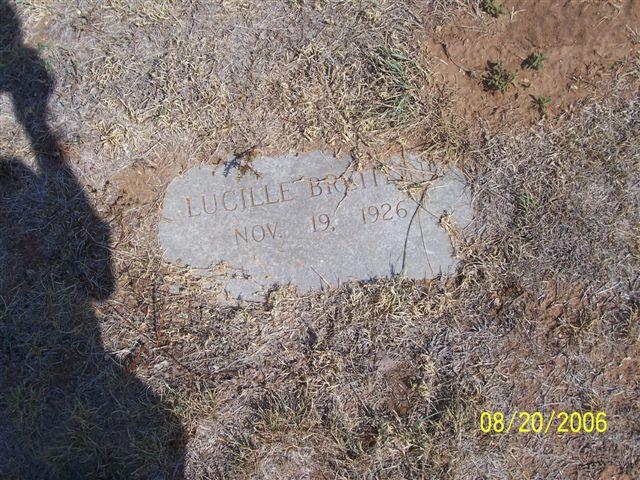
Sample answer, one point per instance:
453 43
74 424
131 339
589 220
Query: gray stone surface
312 221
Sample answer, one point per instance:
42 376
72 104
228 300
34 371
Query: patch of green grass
497 78
24 402
79 438
541 102
492 7
534 61
280 413
526 202
15 54
395 78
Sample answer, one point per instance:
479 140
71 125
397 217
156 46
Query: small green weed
492 7
541 103
535 61
497 78
526 202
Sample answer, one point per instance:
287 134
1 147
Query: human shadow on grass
68 408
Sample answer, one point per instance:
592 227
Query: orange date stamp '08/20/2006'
543 422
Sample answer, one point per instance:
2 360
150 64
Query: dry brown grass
381 379
284 76
388 378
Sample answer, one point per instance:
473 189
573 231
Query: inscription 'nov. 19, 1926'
312 221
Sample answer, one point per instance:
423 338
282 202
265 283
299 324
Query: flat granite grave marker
311 220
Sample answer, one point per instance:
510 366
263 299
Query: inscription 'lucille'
261 196
242 199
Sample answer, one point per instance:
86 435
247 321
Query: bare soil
585 45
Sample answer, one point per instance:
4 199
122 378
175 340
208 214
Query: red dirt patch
582 42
